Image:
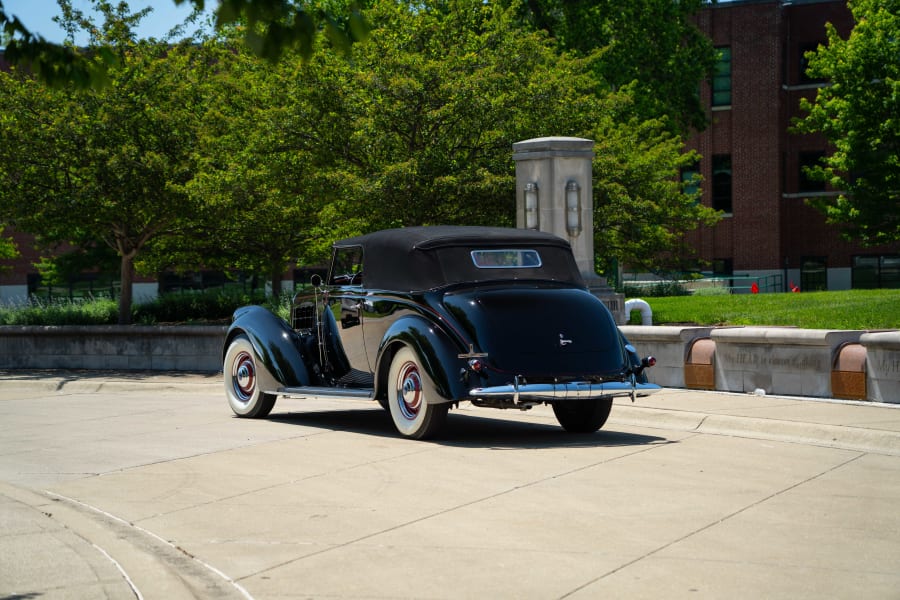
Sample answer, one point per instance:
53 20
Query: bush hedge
207 307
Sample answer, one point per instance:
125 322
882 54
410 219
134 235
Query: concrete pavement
133 500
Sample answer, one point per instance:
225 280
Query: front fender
276 344
438 354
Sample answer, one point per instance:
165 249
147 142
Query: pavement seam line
529 484
713 524
283 483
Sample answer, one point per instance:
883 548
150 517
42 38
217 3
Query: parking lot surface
145 485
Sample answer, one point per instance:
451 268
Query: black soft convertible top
422 258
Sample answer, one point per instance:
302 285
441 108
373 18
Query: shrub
180 307
654 290
194 307
96 311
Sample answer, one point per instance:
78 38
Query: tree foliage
257 187
207 155
8 249
652 46
642 208
271 28
859 113
103 166
417 129
421 122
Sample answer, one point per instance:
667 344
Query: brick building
752 165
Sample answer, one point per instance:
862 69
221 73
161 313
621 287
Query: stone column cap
553 146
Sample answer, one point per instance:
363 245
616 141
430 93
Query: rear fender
276 346
438 354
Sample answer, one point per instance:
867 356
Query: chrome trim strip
328 392
575 390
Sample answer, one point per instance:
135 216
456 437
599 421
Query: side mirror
316 281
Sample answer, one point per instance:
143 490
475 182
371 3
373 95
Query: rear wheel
582 416
242 381
409 389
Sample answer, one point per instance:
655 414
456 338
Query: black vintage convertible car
423 318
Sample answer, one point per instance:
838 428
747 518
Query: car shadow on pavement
464 430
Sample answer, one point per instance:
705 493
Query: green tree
652 46
859 113
643 208
8 249
419 125
103 166
255 183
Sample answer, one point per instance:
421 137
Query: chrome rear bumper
574 390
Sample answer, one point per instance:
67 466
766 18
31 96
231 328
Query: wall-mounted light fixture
532 220
573 208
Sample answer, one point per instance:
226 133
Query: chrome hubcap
410 391
244 376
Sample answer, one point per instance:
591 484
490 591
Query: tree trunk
277 270
125 299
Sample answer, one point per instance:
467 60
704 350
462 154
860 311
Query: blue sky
37 15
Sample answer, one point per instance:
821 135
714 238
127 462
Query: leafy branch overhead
270 28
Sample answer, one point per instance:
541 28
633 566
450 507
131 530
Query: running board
329 392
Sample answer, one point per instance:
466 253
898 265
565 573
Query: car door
346 302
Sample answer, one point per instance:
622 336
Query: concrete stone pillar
554 193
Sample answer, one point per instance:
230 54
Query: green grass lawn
853 309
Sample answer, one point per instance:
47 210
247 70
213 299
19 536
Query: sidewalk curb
150 567
844 437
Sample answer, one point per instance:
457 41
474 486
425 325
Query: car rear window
506 259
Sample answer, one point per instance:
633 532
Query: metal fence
722 284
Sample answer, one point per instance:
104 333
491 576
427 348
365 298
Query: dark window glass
690 177
804 64
723 266
506 259
721 182
813 274
808 160
876 271
721 83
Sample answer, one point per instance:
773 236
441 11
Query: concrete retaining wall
157 348
774 360
883 365
777 360
669 345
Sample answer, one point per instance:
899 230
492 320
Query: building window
721 83
813 274
721 182
722 267
804 64
690 179
806 161
876 271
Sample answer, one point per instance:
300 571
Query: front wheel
409 389
582 416
242 381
